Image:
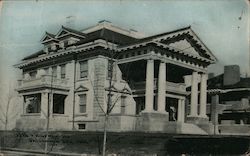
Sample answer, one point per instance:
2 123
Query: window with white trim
82 103
83 69
54 71
63 71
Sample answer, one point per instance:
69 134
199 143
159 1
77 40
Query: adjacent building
72 78
229 94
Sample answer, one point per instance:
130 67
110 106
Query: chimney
70 21
231 75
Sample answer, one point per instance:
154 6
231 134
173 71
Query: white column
194 95
44 104
162 87
51 104
149 86
183 110
23 103
58 70
179 111
203 95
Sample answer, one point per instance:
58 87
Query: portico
165 69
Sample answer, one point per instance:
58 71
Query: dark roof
215 82
149 38
218 83
105 34
166 33
243 83
34 55
73 31
108 35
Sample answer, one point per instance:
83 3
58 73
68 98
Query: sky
223 25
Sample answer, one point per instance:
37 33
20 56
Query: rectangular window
58 103
123 104
81 126
82 103
63 71
32 103
54 71
83 69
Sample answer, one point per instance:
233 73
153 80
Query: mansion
155 84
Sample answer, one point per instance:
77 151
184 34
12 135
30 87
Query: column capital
204 75
150 58
163 61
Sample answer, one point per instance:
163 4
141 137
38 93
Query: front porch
39 106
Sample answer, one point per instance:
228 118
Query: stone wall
125 144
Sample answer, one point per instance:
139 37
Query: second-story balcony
179 88
43 81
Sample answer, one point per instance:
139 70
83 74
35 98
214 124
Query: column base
153 121
197 119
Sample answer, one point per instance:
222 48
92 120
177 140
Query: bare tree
8 113
7 105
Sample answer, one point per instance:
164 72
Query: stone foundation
197 120
152 121
124 144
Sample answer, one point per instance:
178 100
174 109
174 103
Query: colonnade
161 98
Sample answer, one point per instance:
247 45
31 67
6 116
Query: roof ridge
50 34
73 30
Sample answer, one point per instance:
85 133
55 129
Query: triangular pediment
184 46
48 38
62 33
123 90
81 89
126 91
112 88
69 32
185 41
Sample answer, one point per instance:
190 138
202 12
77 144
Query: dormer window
53 47
50 42
61 44
68 37
72 40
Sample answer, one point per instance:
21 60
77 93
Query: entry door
172 108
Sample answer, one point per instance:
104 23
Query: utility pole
50 96
110 72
